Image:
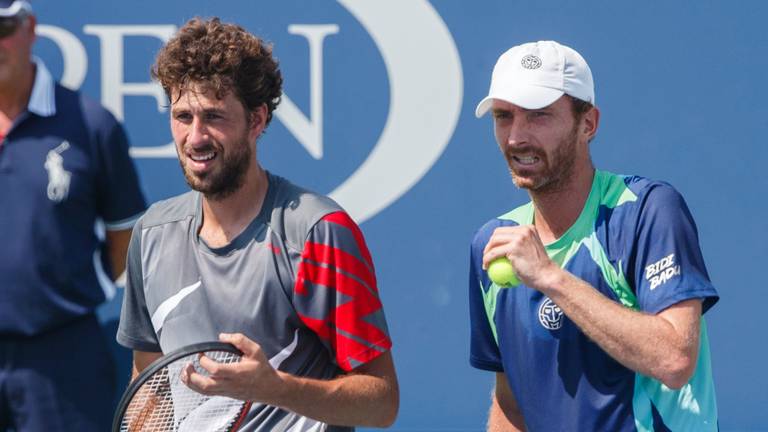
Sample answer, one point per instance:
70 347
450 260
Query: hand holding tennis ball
502 274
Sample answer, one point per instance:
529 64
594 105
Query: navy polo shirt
64 166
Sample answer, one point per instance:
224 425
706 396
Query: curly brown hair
221 57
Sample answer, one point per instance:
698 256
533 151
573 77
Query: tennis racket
158 401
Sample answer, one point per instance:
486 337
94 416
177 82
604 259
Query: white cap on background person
536 74
11 8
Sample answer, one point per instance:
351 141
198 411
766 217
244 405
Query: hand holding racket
252 378
158 401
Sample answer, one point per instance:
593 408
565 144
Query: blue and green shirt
636 242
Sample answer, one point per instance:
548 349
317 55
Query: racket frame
159 364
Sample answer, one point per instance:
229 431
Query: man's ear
29 26
257 120
590 121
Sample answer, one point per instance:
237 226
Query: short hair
579 107
221 57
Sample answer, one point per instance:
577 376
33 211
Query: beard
226 179
558 169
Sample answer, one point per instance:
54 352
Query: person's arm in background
117 247
120 200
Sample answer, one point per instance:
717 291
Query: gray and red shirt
299 280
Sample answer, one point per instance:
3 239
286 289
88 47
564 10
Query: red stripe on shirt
351 338
341 260
348 316
345 319
347 348
344 220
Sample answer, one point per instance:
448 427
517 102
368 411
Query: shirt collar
42 101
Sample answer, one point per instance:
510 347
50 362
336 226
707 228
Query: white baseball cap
536 74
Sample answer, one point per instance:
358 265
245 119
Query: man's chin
197 183
523 182
531 184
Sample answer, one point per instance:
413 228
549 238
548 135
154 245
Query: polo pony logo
58 177
531 62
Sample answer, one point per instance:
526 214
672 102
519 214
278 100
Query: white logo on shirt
550 315
661 271
169 304
58 177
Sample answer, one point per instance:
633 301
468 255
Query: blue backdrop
380 115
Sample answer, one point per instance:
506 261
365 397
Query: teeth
527 160
203 157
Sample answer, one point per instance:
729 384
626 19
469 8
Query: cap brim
528 97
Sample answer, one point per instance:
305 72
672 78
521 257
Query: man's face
215 140
541 146
15 48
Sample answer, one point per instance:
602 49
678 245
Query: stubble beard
559 170
227 179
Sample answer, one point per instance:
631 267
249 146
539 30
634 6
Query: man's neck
555 212
14 97
225 219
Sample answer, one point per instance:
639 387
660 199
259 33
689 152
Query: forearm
117 247
349 400
649 344
367 396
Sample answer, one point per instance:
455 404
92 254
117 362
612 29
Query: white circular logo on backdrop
426 90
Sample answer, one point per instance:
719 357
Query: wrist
284 386
550 279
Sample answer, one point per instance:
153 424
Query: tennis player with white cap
605 330
520 77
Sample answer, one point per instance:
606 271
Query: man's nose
517 133
198 132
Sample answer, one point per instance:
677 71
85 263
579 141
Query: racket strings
164 403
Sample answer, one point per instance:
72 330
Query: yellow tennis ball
502 274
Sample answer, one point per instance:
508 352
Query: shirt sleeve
336 295
135 330
669 266
484 350
120 199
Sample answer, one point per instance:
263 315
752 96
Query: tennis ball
502 274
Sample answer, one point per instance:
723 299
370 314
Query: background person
64 165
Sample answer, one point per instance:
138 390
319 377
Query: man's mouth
203 157
526 160
201 161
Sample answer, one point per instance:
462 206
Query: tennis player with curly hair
249 258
